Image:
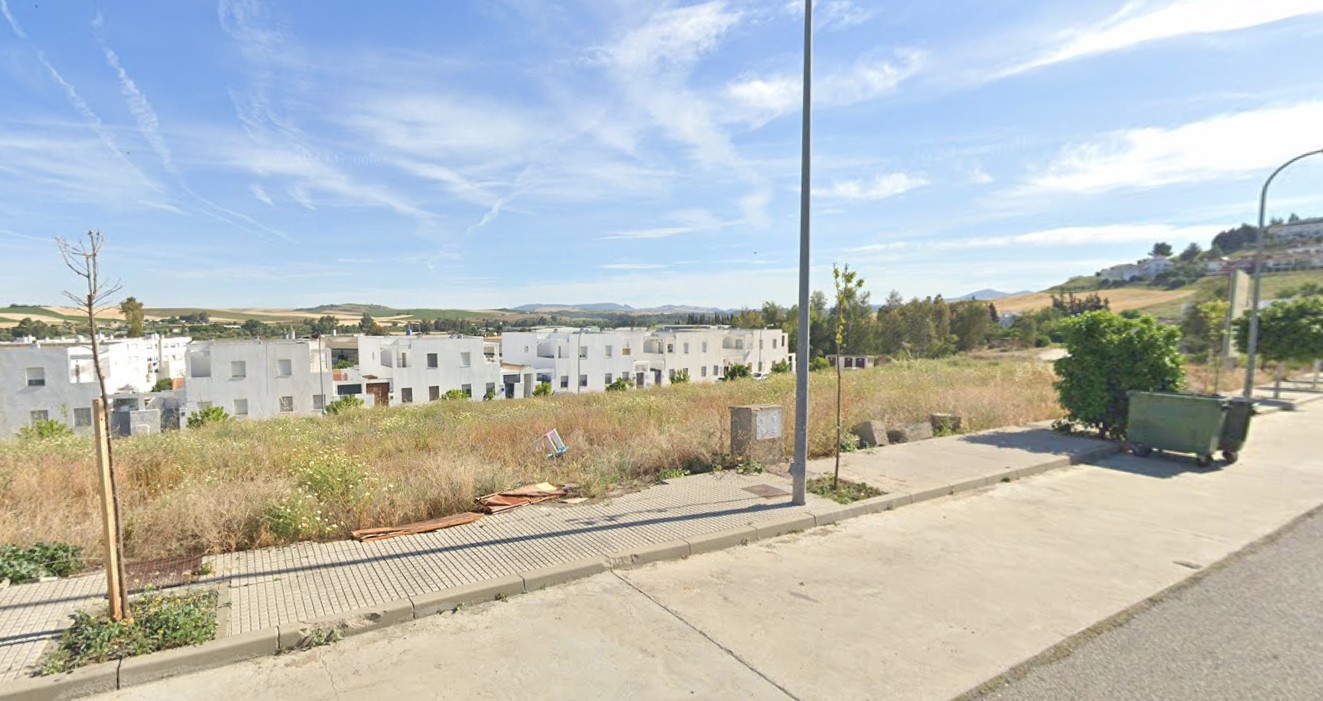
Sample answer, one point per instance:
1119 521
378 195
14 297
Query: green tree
1110 356
818 363
734 372
774 315
164 384
1191 253
780 367
678 377
134 317
254 328
1161 249
1203 328
44 429
543 389
208 416
849 288
748 319
344 404
620 384
1288 331
972 324
369 326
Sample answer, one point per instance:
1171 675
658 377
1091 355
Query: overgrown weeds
242 484
19 565
161 622
843 491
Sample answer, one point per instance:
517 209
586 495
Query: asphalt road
1250 629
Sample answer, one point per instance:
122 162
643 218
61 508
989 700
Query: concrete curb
290 636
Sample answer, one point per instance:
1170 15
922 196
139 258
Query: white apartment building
258 379
1304 229
391 370
587 360
57 379
1146 269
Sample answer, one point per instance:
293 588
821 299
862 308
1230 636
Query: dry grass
1120 299
255 483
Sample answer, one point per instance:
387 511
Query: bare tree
82 259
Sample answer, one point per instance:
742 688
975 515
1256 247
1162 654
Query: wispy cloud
1227 145
879 187
657 233
879 247
632 266
1088 236
1131 27
979 176
260 193
831 15
13 23
765 98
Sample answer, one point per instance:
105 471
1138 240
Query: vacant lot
245 484
1120 298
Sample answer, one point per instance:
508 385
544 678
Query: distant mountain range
990 294
600 307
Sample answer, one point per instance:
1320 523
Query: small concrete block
429 604
927 494
365 619
784 524
970 484
886 502
186 660
729 538
919 431
944 423
898 435
672 550
94 679
559 574
871 434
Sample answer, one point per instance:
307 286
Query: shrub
346 403
19 565
456 394
1290 331
210 415
736 371
1110 356
680 377
845 491
295 517
621 384
819 363
343 364
490 395
44 429
780 367
543 389
165 384
161 622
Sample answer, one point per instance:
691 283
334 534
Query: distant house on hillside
1301 230
1146 269
859 362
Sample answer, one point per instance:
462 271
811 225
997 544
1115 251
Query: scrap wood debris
522 496
436 524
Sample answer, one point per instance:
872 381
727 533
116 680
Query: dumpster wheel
1203 460
1230 456
1142 451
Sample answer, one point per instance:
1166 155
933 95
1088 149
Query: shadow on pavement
1161 465
1037 440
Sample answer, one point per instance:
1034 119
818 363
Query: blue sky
491 153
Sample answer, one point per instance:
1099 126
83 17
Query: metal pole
798 468
1252 349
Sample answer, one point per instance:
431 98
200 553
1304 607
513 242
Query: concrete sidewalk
311 582
926 602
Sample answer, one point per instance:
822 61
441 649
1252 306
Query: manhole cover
766 491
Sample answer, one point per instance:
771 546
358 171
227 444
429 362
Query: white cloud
879 247
831 14
1089 236
1174 19
765 98
675 36
13 23
260 193
979 176
878 187
657 233
632 266
1227 145
300 195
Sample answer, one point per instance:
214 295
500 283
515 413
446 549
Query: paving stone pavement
308 581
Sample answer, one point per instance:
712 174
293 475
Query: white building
390 370
57 379
259 378
587 360
1303 230
1146 269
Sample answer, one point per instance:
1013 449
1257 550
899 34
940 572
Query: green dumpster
1179 423
1235 427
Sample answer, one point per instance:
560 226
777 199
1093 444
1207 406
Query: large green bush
346 403
43 429
1291 331
204 417
1110 356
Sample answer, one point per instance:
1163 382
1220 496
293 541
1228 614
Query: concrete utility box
143 422
756 433
871 434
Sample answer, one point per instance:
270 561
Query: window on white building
760 344
608 378
406 395
38 415
284 367
716 371
241 407
774 344
625 350
686 349
609 349
36 377
465 359
670 347
491 390
703 371
433 393
583 352
238 370
467 390
704 346
564 381
432 361
583 380
287 404
404 359
319 402
82 417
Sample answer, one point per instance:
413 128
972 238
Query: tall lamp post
1251 352
798 468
